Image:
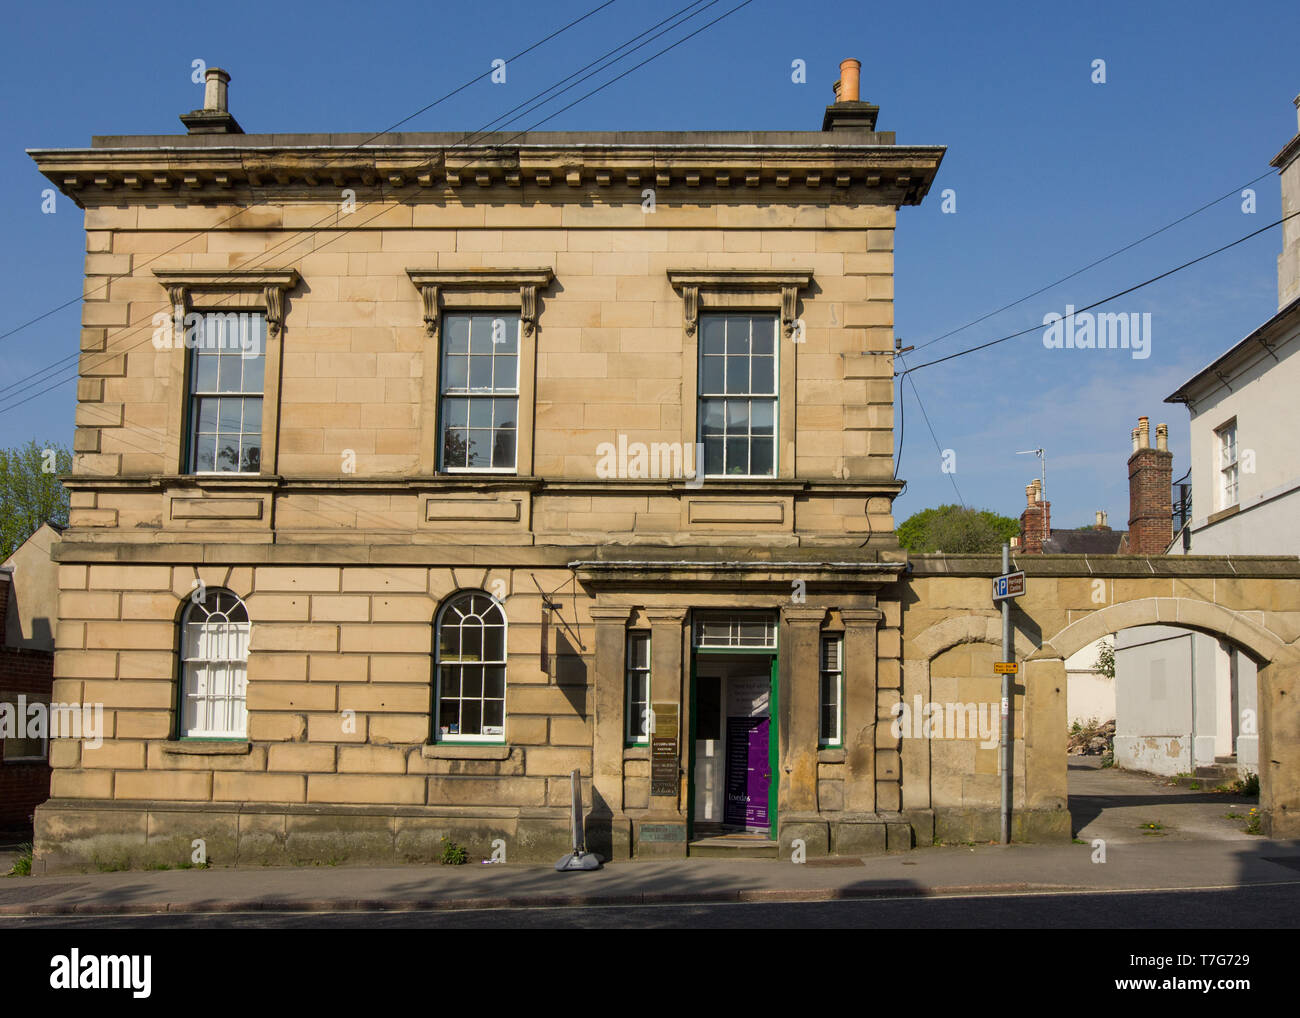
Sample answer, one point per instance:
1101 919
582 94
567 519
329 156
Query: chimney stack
1035 521
215 83
848 112
215 116
1150 494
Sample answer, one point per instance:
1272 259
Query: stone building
412 474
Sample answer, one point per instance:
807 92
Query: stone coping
1088 566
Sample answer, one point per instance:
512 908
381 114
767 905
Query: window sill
452 751
207 747
1223 514
830 754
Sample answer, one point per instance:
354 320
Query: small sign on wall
664 768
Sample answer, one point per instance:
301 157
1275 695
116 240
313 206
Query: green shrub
453 854
22 866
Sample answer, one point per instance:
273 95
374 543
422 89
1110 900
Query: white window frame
637 681
192 397
479 737
1229 473
201 683
774 396
837 640
734 638
470 394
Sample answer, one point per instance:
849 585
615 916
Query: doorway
734 746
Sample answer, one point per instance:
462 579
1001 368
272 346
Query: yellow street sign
1005 668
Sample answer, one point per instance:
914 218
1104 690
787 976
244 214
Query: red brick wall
4 606
25 785
1150 498
1034 523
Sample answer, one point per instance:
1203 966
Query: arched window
471 668
214 667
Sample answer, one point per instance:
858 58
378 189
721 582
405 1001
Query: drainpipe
1191 637
1006 747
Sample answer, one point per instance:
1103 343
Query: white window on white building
1227 436
214 667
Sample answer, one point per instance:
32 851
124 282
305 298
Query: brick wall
1150 493
23 785
1035 521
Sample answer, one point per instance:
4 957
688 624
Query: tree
1106 660
30 492
956 530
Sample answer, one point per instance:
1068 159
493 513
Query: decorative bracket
179 297
789 295
429 295
182 284
481 286
691 300
771 288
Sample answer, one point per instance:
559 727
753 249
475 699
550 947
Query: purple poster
747 772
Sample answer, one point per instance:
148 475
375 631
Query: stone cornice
819 575
182 284
1289 151
781 285
168 173
476 483
524 283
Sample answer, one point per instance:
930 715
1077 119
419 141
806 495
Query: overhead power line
302 233
1104 300
356 148
1091 265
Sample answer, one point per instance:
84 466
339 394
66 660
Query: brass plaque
664 768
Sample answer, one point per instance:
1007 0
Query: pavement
1137 833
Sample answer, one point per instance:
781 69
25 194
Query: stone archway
1042 803
1041 806
1278 680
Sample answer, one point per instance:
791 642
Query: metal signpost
1006 587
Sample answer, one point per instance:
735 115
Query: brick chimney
1150 493
849 113
1036 520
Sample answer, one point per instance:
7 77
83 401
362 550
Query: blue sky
1050 170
